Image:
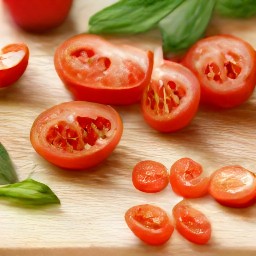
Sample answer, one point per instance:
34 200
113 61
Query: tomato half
191 223
226 68
150 176
149 223
187 180
170 101
94 69
233 186
76 135
13 63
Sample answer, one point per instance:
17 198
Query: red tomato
233 186
171 99
150 176
13 63
94 69
186 178
192 223
38 15
76 135
149 223
226 68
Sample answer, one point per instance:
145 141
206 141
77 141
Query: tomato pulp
94 69
76 135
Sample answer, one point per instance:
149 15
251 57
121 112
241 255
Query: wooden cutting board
90 220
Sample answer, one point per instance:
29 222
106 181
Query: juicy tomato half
76 135
94 69
149 223
187 180
191 223
233 186
150 176
226 68
13 63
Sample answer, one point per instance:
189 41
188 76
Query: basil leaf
131 16
29 192
186 24
7 171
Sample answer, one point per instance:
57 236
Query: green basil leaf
29 192
131 16
7 171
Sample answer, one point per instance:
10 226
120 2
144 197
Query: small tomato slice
94 69
13 63
76 135
226 68
150 176
187 180
149 223
233 186
191 223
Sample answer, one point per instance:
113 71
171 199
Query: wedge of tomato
94 69
13 63
76 134
149 223
226 68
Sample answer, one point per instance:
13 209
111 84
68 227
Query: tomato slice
187 180
226 68
150 176
13 63
94 69
233 186
191 223
149 223
171 99
76 134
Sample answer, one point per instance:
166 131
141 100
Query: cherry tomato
13 63
233 186
149 223
38 15
76 135
186 178
94 69
226 68
150 176
192 223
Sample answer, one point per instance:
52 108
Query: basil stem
131 16
186 24
7 171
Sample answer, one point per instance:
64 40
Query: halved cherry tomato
233 186
187 180
150 176
76 135
13 63
149 223
94 69
226 68
171 99
192 223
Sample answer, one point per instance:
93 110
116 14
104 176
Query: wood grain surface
90 220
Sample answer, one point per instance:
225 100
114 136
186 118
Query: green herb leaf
186 24
29 192
7 170
131 16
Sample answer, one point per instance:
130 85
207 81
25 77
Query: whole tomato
38 15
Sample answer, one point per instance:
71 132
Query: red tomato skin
217 96
148 234
85 159
38 15
114 95
10 75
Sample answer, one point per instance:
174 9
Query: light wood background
90 220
